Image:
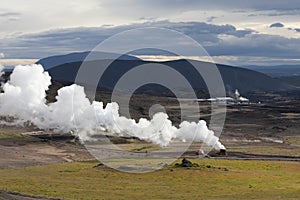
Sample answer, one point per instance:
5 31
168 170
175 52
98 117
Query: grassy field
267 150
214 179
289 147
11 136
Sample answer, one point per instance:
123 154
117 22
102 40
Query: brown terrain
268 130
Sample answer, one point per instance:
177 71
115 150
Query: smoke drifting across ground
23 99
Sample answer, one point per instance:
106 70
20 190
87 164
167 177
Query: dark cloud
280 25
283 13
82 39
211 19
168 9
258 45
183 5
218 40
275 13
277 25
202 29
9 14
53 42
294 29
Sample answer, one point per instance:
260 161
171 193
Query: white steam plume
24 100
1 68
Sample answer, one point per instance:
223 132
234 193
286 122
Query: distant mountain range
54 61
292 80
277 70
64 69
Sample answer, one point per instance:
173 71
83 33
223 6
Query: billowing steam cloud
23 99
1 68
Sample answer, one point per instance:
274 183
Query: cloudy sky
256 32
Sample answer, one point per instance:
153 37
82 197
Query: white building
237 99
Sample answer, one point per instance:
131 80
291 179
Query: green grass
11 136
280 150
142 148
139 147
295 140
243 180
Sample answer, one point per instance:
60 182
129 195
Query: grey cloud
83 39
9 14
183 5
283 13
294 29
218 40
211 19
277 25
253 15
259 45
274 13
202 30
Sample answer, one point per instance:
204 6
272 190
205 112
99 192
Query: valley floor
262 162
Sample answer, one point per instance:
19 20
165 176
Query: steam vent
222 152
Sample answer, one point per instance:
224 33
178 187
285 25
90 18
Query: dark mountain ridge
54 61
234 78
